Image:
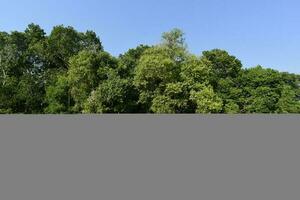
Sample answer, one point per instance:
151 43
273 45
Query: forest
69 72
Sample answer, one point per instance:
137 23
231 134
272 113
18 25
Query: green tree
231 108
8 101
62 43
174 42
206 100
262 88
159 66
30 93
262 100
65 42
155 70
223 65
90 41
174 100
34 34
129 61
58 98
113 95
174 39
196 70
288 102
86 71
14 73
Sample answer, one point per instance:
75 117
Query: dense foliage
69 72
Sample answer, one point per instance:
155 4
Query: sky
258 32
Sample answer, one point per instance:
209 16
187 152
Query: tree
82 76
206 100
8 63
65 42
113 95
8 101
30 93
259 76
262 88
86 71
62 43
230 91
13 70
223 65
231 108
196 70
288 103
159 66
173 100
90 41
34 34
58 97
262 100
174 42
155 70
129 61
36 38
174 39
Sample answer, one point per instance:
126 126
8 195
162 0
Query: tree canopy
68 71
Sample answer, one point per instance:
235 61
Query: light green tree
206 100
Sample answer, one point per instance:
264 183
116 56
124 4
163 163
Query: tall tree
159 66
86 71
156 68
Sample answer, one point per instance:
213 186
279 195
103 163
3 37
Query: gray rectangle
150 157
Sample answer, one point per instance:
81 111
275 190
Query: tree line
69 72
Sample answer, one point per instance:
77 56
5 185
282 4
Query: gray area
150 157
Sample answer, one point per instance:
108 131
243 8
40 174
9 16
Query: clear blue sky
265 32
